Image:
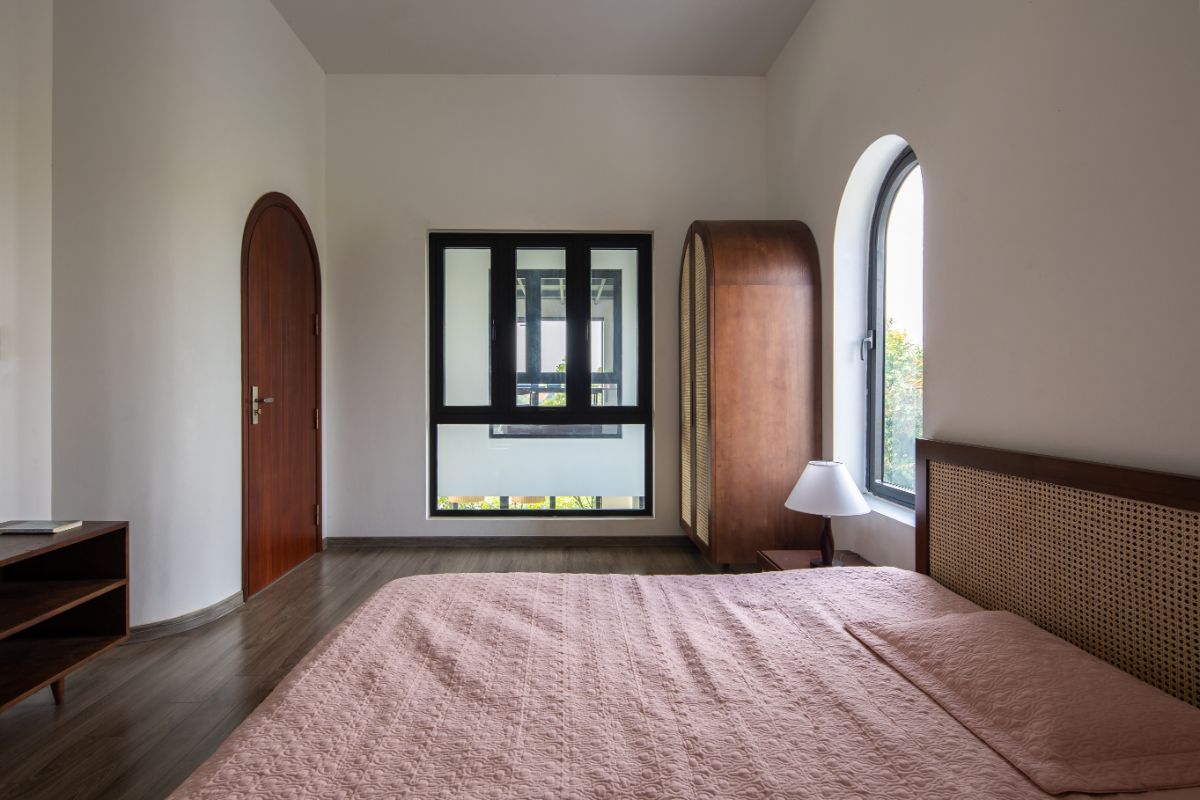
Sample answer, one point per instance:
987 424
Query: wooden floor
141 719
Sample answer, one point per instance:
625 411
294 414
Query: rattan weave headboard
1105 557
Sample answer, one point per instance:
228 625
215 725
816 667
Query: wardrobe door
686 430
750 384
703 463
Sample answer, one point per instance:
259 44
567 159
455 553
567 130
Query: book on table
40 525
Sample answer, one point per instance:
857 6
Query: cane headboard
1105 557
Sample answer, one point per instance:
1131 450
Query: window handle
867 343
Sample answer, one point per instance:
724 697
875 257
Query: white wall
1058 142
26 37
412 153
171 118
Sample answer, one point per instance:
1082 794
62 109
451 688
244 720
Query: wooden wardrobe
750 385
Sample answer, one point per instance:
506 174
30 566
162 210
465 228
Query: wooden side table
772 560
64 600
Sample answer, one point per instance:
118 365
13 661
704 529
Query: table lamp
826 488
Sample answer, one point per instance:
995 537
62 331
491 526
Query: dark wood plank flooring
141 719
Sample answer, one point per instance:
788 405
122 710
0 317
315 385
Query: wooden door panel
281 358
760 447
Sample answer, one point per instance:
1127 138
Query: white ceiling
599 37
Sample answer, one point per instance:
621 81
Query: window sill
895 511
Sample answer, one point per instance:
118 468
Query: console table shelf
26 603
33 664
64 600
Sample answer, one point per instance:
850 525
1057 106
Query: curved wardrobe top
759 252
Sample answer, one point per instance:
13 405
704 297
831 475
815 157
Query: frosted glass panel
467 339
541 327
614 327
476 466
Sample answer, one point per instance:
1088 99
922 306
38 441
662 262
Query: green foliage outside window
903 384
575 503
558 399
561 503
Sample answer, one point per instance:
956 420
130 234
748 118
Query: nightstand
772 560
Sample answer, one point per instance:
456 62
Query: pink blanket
507 686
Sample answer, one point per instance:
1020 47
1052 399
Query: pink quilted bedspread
506 686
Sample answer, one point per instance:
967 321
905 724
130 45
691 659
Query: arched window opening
895 341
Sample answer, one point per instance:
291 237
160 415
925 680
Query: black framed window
540 372
895 377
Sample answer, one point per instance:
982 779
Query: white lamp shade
826 488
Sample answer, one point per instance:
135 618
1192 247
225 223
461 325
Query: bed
834 683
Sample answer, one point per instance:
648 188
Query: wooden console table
64 600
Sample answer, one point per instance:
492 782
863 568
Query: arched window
895 373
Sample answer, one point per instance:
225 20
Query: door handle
256 404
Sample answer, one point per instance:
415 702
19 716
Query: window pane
466 333
541 327
903 366
556 470
613 331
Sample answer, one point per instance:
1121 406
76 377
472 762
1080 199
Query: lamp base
826 559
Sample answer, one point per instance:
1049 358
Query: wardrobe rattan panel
750 385
702 489
686 432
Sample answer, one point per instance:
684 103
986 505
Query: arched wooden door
281 392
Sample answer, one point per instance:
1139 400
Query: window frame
901 168
503 410
533 355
